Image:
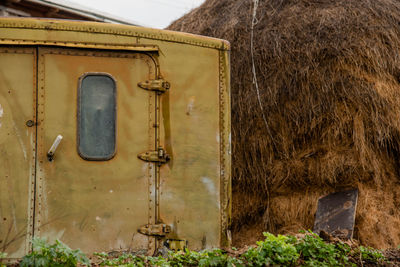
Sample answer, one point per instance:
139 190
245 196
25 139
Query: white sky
150 13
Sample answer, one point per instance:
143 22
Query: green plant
214 257
308 250
126 260
274 250
2 256
57 254
371 255
315 251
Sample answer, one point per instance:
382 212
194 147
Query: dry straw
319 112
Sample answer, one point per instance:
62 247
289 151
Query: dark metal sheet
336 213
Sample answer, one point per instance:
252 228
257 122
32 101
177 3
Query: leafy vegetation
57 254
274 250
215 257
316 252
123 260
371 255
2 256
306 250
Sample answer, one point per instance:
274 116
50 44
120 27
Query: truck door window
96 116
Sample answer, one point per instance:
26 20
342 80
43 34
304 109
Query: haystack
328 113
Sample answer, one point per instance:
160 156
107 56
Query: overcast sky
151 13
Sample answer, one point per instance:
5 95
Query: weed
274 250
309 250
2 256
57 254
214 257
315 252
371 255
126 259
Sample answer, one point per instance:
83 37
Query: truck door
17 148
92 191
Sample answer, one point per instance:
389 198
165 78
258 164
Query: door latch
52 150
159 156
155 229
160 85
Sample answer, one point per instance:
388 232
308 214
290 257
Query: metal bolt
30 123
166 85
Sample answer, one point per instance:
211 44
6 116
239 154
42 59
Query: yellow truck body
142 118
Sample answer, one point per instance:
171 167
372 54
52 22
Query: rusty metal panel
17 148
94 205
336 213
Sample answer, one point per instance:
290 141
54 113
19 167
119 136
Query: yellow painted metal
86 203
103 201
192 128
134 47
17 149
57 32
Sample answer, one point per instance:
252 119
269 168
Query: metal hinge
155 156
155 229
160 86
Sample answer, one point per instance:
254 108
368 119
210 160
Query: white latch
52 150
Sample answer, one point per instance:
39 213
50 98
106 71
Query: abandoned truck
112 137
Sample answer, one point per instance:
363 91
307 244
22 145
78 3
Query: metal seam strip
32 179
222 141
151 166
169 37
40 141
223 151
129 47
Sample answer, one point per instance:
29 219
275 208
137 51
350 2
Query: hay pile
329 78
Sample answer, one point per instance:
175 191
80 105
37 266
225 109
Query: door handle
53 148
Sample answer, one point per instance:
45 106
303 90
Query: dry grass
328 72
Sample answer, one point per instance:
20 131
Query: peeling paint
1 113
20 141
52 235
30 201
190 106
230 144
45 210
145 168
140 241
208 183
14 218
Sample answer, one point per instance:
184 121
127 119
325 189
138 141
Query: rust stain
167 127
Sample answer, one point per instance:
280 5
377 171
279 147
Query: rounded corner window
97 116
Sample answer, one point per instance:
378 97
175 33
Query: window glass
96 117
